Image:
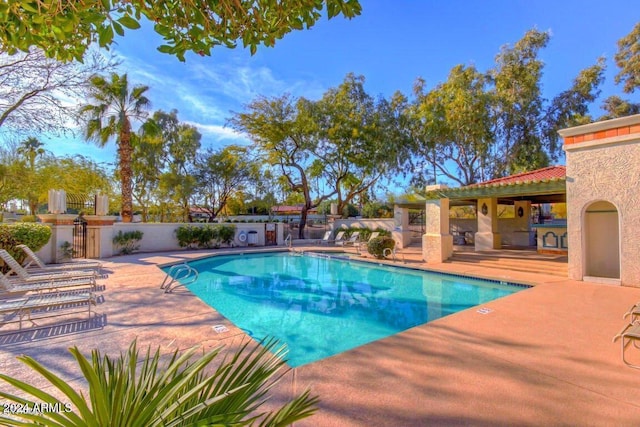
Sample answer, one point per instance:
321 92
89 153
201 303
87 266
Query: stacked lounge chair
43 305
34 264
351 241
41 276
26 296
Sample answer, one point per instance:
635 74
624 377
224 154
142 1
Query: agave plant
128 392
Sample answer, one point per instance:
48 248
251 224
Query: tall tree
75 174
284 131
517 94
357 144
614 107
65 29
114 106
456 137
222 173
478 126
30 149
571 107
628 60
182 141
35 90
148 162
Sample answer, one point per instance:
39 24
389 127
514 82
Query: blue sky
391 44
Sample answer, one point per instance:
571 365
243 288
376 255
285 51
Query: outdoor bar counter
552 237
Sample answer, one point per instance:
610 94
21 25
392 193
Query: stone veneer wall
603 164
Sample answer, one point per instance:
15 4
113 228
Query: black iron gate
79 238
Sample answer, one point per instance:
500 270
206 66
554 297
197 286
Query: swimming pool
321 306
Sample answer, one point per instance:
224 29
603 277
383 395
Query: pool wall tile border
239 251
443 273
243 251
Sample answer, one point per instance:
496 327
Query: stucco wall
608 171
157 237
161 236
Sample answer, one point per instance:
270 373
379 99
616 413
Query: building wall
603 164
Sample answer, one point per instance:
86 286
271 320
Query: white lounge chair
351 241
34 264
630 334
339 240
15 287
326 239
634 312
25 276
44 305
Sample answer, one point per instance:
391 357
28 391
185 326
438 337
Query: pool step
526 262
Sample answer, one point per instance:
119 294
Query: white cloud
219 132
242 83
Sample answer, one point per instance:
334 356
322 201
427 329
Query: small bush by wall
187 236
31 234
127 241
377 245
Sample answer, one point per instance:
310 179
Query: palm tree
114 106
31 148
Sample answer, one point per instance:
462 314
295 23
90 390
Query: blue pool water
321 307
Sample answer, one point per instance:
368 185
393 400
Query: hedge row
205 236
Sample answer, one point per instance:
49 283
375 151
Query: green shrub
66 251
126 241
377 245
31 234
207 236
226 233
28 218
148 389
188 236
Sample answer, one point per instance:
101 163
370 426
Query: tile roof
544 174
546 181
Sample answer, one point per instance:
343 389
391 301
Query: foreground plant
179 394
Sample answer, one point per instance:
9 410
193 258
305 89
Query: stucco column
61 232
487 237
401 232
437 243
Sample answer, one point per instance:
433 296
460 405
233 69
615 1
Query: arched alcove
601 233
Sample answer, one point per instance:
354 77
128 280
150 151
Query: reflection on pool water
320 306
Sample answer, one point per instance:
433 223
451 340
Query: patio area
542 356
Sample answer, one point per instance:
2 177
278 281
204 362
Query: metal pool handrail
179 275
388 251
288 240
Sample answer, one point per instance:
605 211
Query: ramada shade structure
546 185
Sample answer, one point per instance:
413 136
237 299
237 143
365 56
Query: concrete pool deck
542 356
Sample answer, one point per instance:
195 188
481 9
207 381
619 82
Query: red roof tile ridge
549 172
